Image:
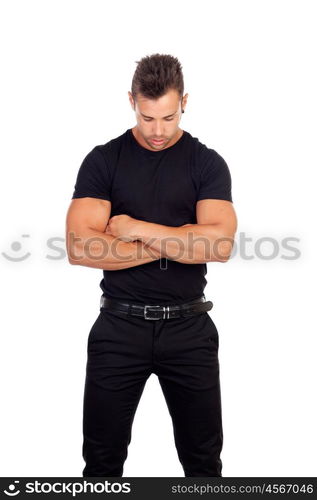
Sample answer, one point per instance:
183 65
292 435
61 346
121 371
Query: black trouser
122 352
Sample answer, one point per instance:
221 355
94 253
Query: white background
250 72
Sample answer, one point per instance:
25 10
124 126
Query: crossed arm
131 242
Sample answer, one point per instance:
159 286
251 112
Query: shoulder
205 156
105 156
108 152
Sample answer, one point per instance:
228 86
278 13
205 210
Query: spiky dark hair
157 74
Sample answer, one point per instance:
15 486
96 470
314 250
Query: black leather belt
157 311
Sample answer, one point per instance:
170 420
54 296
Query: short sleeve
215 178
93 177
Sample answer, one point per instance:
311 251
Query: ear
184 102
131 100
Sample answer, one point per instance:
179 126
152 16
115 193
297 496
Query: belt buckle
164 310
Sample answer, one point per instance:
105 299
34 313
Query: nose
158 130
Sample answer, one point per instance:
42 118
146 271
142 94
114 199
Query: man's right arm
88 245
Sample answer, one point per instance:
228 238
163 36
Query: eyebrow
168 116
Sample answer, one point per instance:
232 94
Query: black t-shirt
155 186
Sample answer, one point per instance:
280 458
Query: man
151 208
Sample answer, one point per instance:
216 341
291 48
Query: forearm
189 244
103 251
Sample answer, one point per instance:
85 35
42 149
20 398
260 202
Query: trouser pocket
213 332
94 329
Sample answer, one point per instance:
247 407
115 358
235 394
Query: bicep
86 214
220 212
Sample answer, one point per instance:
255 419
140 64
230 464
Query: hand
121 227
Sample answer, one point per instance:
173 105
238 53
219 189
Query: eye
150 119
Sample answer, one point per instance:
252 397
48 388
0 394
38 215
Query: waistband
156 311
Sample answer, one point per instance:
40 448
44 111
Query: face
158 119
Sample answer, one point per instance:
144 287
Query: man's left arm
210 240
